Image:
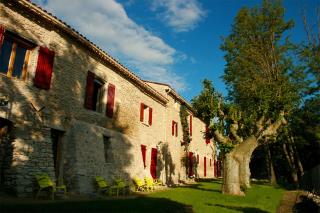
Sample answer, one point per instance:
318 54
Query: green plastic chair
122 187
45 183
139 184
104 187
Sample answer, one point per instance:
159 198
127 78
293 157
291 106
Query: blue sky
170 41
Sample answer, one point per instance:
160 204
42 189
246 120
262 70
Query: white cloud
182 15
107 24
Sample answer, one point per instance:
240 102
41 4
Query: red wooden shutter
2 30
190 158
141 112
176 129
190 125
44 70
110 102
153 165
150 116
143 151
173 123
88 103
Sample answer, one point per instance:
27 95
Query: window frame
146 114
175 128
17 41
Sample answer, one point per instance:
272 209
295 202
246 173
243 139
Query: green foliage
259 68
206 103
184 123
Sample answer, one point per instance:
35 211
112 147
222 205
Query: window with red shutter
143 152
173 124
110 101
146 114
176 129
141 112
95 94
44 68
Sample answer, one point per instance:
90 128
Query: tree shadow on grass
139 204
198 187
242 209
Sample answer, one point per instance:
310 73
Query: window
95 94
14 55
174 128
145 114
106 146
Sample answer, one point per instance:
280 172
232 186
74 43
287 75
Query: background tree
263 89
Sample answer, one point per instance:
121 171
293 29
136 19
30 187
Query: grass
201 197
207 197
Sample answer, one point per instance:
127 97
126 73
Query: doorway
57 152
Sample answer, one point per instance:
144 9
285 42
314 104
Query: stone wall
35 112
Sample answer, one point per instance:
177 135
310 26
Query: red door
190 158
153 166
205 167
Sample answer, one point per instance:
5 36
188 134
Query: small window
174 129
145 114
14 55
98 95
107 146
94 93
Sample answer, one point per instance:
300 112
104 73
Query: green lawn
201 197
207 197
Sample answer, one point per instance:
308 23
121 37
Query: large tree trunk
236 167
271 172
291 162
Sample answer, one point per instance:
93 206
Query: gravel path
288 201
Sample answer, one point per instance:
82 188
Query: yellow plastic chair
139 184
149 183
45 183
158 182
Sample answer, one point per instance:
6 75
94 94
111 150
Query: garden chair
158 182
45 183
149 183
104 187
122 187
139 184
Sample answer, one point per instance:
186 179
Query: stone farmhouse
69 109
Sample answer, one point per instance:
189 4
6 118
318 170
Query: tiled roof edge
27 4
